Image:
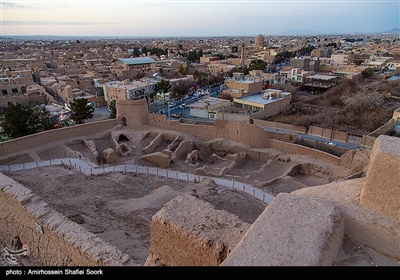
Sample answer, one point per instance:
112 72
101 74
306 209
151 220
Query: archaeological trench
145 191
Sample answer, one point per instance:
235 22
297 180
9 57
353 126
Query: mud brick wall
381 189
188 231
43 138
52 239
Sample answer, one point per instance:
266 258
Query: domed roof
260 37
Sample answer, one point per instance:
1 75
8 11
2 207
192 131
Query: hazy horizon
196 18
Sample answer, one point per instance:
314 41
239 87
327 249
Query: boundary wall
302 150
251 135
45 137
295 128
52 239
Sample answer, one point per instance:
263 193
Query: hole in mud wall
123 121
122 138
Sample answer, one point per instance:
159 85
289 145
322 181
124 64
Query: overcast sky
195 17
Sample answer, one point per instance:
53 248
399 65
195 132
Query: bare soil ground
116 207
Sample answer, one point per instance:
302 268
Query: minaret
242 54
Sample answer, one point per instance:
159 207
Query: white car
172 104
330 143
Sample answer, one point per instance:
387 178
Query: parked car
172 104
176 116
330 143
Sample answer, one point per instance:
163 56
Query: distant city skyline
169 18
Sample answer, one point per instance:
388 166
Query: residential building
305 63
207 107
239 85
122 90
319 83
393 65
340 59
143 63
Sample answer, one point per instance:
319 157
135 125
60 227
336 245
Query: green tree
200 77
163 87
182 88
81 110
136 52
41 118
183 69
367 73
257 65
113 110
18 121
283 56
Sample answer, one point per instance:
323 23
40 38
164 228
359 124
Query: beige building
393 65
261 101
143 63
340 59
127 90
208 107
22 63
239 85
295 75
220 68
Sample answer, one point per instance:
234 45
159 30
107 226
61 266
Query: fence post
91 171
50 161
254 192
243 187
187 177
167 173
176 175
23 165
263 197
80 169
36 164
147 170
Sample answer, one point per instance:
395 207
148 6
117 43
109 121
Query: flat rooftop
322 77
258 98
205 101
137 60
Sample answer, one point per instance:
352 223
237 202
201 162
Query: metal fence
83 167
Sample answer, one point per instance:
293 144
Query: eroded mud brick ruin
309 226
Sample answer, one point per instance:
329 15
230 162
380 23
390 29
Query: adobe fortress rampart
315 219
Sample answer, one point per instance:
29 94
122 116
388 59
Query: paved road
312 137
